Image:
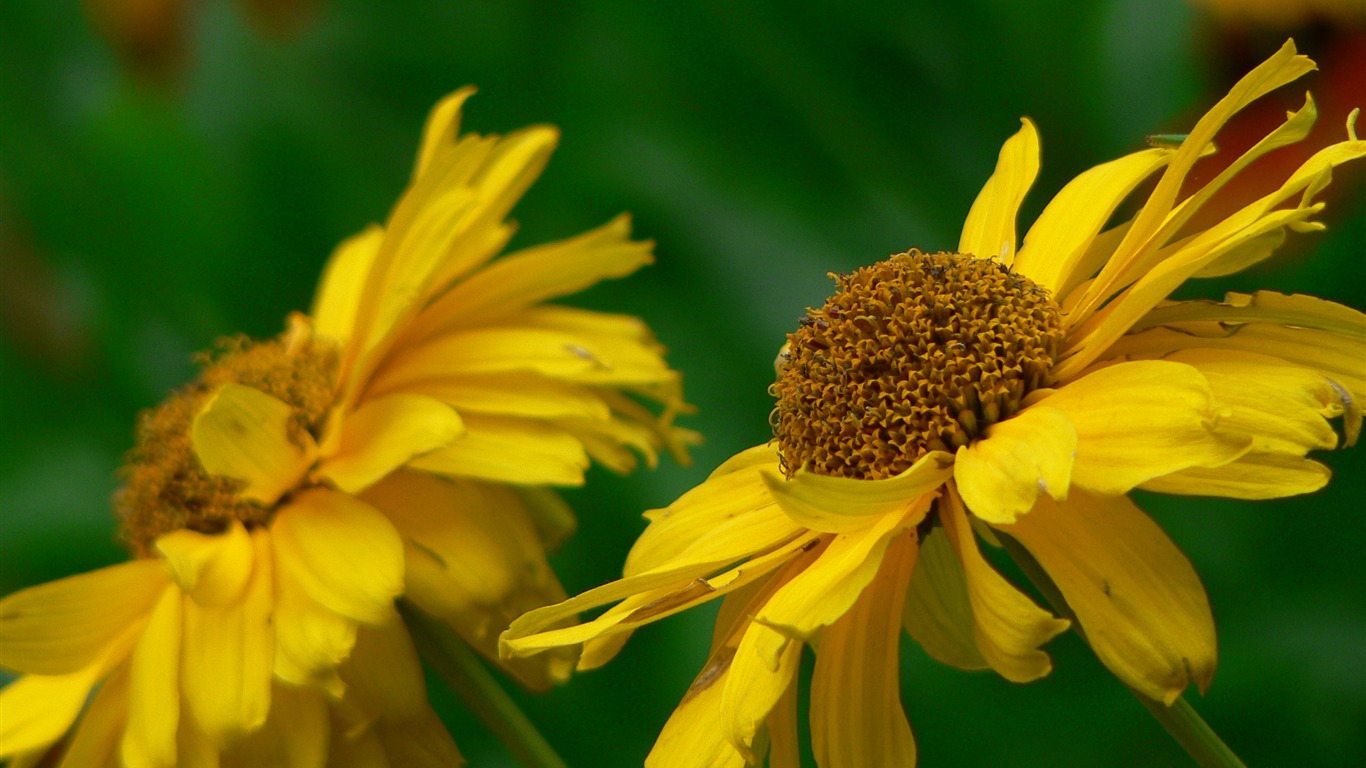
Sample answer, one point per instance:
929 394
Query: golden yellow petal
149 738
64 625
1139 420
1251 476
213 569
989 230
385 433
1136 595
1056 242
938 612
227 653
442 128
342 288
1009 628
383 675
826 589
856 715
510 450
95 742
243 433
841 504
763 668
536 274
40 708
342 552
695 732
515 393
1031 452
295 735
418 742
784 739
311 640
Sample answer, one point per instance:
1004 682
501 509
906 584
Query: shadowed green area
762 145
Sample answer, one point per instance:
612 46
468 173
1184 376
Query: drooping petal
989 230
1056 242
385 433
383 675
1139 420
517 393
856 715
149 738
342 552
63 626
827 588
227 653
1252 476
763 668
38 709
1009 627
784 740
510 450
695 732
295 735
344 284
938 612
418 742
311 640
213 569
1136 595
244 434
840 504
1031 452
95 743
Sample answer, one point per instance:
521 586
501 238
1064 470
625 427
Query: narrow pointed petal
1139 420
1009 628
63 626
385 433
39 709
1253 476
819 595
1056 242
841 504
989 231
441 129
95 742
154 695
227 653
344 285
213 569
938 612
244 434
695 732
344 554
856 714
1136 595
1031 452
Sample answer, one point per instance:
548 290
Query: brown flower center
918 353
164 486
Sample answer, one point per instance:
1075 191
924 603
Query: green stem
462 669
1180 719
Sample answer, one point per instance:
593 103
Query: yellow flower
398 441
1004 391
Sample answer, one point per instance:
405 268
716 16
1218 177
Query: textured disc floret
917 353
165 488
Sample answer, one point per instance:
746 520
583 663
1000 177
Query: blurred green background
173 182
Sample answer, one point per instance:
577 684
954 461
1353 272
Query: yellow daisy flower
398 441
1011 390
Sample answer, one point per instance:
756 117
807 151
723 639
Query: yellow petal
989 230
227 653
385 433
343 286
517 393
442 128
342 552
383 676
38 709
1139 420
510 450
856 715
1058 239
695 732
840 504
295 735
828 587
763 668
784 739
95 742
536 274
154 695
311 640
1136 595
1009 627
938 613
1251 476
62 626
213 569
1001 475
418 742
243 433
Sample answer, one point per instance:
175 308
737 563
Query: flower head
1009 391
398 441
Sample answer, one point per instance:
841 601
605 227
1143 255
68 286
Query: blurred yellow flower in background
1011 392
397 442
